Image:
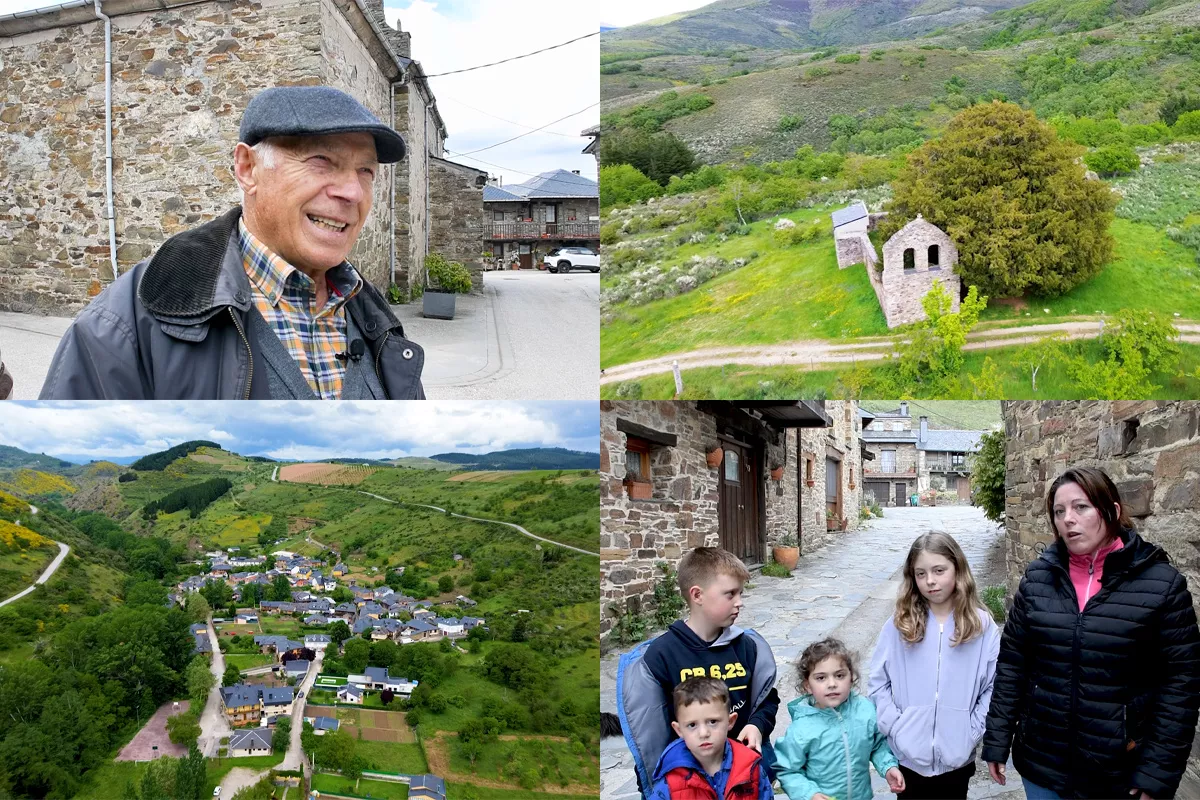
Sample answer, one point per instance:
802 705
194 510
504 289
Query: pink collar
1098 557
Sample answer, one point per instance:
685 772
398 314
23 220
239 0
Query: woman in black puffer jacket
1099 672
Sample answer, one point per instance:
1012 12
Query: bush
658 156
624 184
817 72
1117 159
786 237
773 569
449 276
127 477
629 390
848 58
876 55
993 598
790 122
1188 124
1177 104
610 233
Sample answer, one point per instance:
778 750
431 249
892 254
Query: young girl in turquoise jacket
824 753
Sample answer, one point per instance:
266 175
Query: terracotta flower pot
787 556
777 474
714 457
638 490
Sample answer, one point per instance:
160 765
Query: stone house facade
660 498
831 481
525 221
910 460
181 75
1150 449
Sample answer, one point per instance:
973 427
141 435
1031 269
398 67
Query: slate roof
298 665
951 441
377 674
325 724
241 695
252 738
556 183
350 688
420 626
311 638
430 783
856 210
279 695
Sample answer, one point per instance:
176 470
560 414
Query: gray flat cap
315 111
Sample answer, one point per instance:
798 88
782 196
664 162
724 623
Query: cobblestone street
847 589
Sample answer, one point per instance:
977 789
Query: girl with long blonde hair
932 673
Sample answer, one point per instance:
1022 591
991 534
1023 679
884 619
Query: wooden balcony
515 231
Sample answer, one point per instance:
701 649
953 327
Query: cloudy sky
81 431
487 106
619 13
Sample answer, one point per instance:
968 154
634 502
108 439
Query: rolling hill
530 458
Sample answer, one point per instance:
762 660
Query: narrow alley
847 589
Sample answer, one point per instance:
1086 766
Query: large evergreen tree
1014 199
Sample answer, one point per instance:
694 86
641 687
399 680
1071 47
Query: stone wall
842 439
1150 449
636 535
906 457
456 215
181 79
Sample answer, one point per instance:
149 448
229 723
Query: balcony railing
541 230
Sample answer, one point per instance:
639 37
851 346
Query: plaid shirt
285 296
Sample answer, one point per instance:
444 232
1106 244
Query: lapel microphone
357 348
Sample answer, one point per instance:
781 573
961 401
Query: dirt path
45 576
437 754
812 354
239 778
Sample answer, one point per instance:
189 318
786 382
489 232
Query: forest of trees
528 458
159 460
194 498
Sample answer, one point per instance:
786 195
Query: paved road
46 573
478 519
814 354
274 473
213 724
295 755
528 335
847 589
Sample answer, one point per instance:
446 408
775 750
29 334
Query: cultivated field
326 474
484 477
377 726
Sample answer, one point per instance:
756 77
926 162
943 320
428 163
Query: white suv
565 259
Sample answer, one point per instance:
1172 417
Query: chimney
924 427
904 408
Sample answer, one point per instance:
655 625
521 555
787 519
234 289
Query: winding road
58 559
815 354
479 519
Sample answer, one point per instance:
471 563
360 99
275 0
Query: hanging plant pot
638 490
714 457
776 473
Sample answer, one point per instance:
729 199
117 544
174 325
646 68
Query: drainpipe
108 157
425 124
392 193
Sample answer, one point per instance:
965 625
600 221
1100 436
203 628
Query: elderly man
259 303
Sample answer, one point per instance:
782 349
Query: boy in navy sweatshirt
707 644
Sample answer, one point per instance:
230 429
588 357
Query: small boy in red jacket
703 763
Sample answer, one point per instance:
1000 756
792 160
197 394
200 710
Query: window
808 469
731 466
498 216
933 255
637 459
550 213
910 258
570 215
957 459
888 461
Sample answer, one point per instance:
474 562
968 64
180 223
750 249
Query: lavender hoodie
931 699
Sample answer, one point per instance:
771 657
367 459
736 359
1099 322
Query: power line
535 130
509 121
932 413
519 172
514 58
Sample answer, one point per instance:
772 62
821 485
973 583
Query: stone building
593 147
850 227
907 460
1150 449
181 74
660 498
914 258
525 221
831 464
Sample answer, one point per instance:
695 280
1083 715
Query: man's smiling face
309 202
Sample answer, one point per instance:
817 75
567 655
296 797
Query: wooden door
525 257
901 494
878 490
833 490
964 488
739 508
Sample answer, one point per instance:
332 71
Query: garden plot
377 726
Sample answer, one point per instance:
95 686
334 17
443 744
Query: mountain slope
531 458
11 457
783 24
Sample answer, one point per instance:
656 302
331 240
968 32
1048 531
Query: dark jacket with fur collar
182 326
